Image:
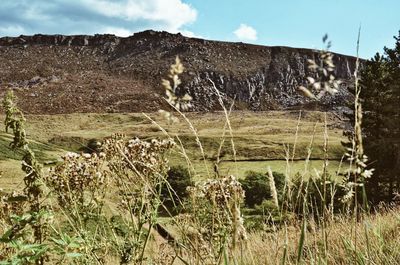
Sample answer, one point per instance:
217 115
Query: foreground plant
138 170
324 72
17 233
175 97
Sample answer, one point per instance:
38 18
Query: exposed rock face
62 74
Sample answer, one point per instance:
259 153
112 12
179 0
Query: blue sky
296 23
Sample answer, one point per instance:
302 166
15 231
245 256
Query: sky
295 23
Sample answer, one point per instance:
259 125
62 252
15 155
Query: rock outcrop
104 73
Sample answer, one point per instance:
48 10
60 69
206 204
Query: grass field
260 139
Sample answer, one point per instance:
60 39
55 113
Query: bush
179 179
257 188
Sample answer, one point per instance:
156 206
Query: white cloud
246 33
171 15
120 17
11 30
120 32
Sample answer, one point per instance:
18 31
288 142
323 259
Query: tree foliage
380 94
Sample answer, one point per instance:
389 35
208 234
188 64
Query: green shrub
257 188
175 193
266 207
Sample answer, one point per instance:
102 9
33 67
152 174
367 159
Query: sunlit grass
259 138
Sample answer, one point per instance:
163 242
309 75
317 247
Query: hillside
54 74
259 139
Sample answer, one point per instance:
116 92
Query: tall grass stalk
273 187
198 142
221 144
221 103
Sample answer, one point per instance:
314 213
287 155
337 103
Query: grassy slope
259 138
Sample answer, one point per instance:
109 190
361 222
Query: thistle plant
138 170
79 181
214 223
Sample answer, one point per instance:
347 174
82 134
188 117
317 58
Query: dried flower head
216 220
325 71
180 101
76 176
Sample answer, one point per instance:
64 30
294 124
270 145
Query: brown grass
378 242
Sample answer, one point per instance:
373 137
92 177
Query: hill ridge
105 73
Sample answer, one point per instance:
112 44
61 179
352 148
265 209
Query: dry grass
378 242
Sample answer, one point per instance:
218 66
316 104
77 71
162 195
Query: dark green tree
380 94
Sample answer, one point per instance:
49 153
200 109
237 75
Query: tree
380 94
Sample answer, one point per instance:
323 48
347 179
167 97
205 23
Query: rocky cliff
104 73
